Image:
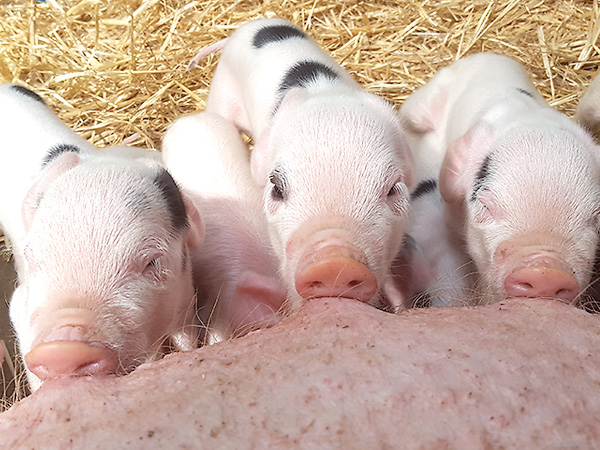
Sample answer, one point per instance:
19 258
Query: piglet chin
59 358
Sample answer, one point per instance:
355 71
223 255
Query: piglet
331 159
100 240
433 267
521 178
235 270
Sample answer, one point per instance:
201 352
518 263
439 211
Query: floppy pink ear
263 155
195 236
424 109
61 164
462 159
256 301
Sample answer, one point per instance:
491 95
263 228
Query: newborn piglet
101 243
331 159
235 269
520 178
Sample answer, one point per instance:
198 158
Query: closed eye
395 190
397 198
152 265
279 185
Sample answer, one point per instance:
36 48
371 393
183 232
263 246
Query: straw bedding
112 69
117 69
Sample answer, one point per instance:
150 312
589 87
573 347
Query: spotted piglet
100 240
521 179
331 158
235 270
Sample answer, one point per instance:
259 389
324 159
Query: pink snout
336 276
541 281
58 358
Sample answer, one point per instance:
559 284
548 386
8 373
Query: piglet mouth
59 358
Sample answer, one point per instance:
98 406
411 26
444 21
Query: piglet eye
152 265
397 198
395 190
278 191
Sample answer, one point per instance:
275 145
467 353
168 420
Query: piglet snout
58 358
333 273
542 281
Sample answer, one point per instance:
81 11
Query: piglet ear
58 166
256 302
463 157
196 225
424 110
263 155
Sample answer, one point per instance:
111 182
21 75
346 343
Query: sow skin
341 374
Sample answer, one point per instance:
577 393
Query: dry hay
114 68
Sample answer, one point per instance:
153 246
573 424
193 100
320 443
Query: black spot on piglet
170 192
481 177
424 188
58 150
305 72
28 93
276 33
524 92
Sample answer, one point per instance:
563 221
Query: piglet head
531 199
337 174
108 280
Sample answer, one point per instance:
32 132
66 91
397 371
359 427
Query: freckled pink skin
342 150
83 230
441 373
235 270
540 197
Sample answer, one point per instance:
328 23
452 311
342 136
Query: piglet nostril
524 287
316 285
567 294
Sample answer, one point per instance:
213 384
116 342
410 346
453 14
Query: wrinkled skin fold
342 374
